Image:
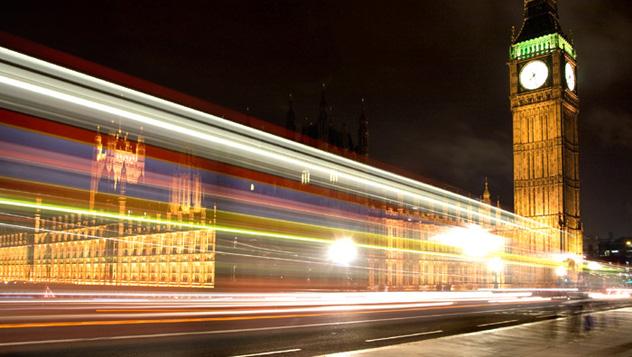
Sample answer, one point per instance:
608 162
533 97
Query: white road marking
269 353
544 316
496 323
404 336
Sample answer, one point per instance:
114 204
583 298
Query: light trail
120 91
203 316
511 259
242 317
214 299
300 157
293 225
40 88
243 330
228 313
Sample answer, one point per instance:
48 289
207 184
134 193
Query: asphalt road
119 327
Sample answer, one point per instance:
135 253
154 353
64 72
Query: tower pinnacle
290 119
487 197
540 18
363 133
323 120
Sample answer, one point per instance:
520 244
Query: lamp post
342 252
561 272
496 266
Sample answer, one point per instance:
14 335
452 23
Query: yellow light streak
509 258
269 148
211 319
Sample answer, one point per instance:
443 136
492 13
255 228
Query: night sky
433 73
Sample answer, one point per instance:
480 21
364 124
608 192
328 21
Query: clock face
569 73
533 75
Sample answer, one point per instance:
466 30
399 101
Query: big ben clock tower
545 106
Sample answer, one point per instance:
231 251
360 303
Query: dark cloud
610 129
434 74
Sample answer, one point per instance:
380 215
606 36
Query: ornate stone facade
95 250
545 132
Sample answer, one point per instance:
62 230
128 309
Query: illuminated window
333 177
305 177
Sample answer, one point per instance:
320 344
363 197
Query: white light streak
473 240
267 148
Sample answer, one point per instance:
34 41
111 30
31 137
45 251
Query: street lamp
474 241
561 272
496 265
594 266
342 251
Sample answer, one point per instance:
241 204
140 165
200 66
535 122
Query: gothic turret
323 118
290 119
486 197
363 133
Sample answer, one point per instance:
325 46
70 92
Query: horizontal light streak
124 92
287 205
40 324
524 299
395 184
255 310
533 289
275 298
244 330
512 259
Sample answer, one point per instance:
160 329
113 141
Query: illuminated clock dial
569 73
533 75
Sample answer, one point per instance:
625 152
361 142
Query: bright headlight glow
564 257
594 266
561 271
475 241
496 265
342 251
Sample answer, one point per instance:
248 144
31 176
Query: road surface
257 324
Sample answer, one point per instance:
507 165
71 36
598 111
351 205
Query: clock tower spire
545 106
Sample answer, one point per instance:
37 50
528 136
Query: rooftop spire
323 101
487 197
290 119
323 120
363 132
540 18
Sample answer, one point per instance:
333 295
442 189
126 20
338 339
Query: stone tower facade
545 107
